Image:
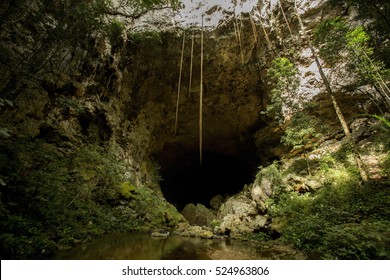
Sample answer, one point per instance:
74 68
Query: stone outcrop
198 215
240 214
124 97
216 201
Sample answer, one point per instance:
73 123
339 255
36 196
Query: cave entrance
185 181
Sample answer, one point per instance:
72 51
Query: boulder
261 192
240 215
239 206
197 231
216 201
160 233
198 215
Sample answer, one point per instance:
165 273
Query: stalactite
179 84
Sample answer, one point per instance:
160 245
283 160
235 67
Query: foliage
256 237
5 132
385 121
52 198
153 211
375 15
284 98
342 220
126 189
337 40
69 104
146 36
114 32
272 176
4 102
64 27
369 68
330 37
150 4
300 131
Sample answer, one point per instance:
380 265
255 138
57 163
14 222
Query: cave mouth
186 181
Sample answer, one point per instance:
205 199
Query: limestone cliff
99 101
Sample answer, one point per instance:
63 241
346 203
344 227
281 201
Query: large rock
239 206
196 231
198 215
216 201
261 192
240 215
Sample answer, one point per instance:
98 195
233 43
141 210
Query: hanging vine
239 26
191 63
179 84
284 16
254 30
201 98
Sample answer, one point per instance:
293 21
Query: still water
137 246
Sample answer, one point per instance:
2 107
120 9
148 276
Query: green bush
341 221
114 31
126 189
274 176
52 198
368 240
146 36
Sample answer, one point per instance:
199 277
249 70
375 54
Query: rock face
216 201
124 97
240 214
262 191
198 215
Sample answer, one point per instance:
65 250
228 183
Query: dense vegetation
336 212
338 216
54 198
58 191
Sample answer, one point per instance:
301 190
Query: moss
127 189
52 199
321 222
344 218
153 210
274 176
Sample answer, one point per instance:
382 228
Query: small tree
337 40
329 90
300 132
285 81
370 69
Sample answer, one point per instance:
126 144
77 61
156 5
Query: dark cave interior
186 181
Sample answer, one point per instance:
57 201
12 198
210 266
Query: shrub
341 221
272 176
51 198
127 189
114 31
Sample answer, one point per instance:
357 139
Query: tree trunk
323 76
347 132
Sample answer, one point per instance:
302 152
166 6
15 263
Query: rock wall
124 95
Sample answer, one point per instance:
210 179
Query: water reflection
137 246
